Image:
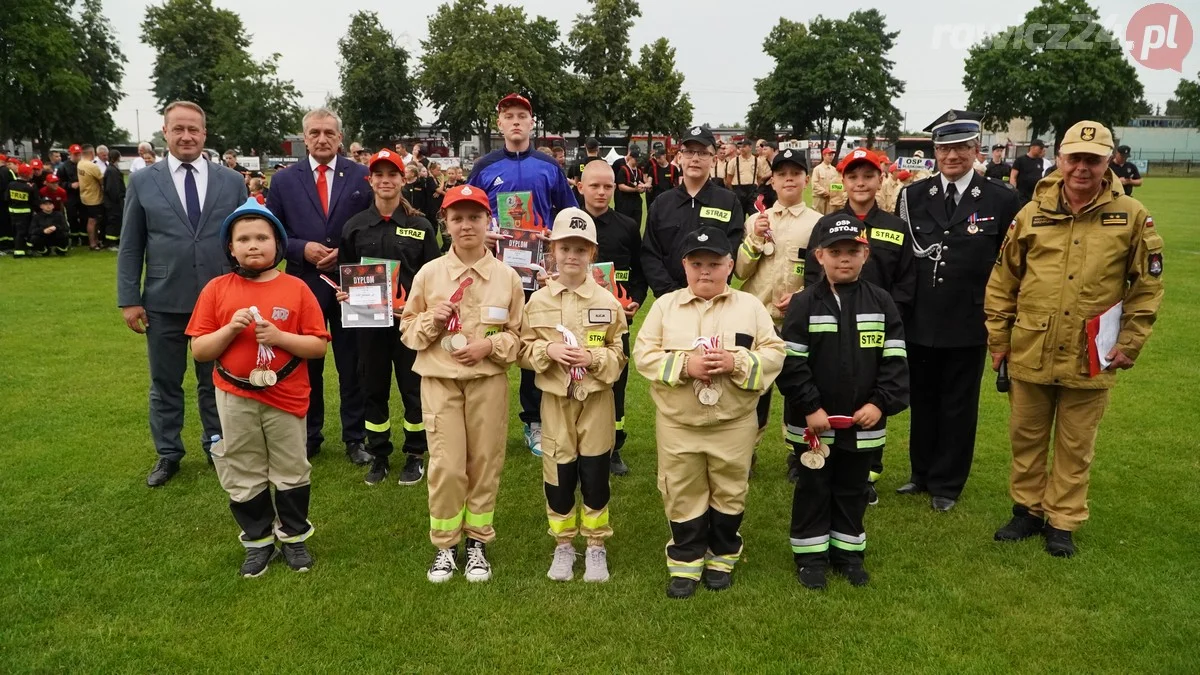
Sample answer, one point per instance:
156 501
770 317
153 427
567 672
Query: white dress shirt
332 164
137 165
178 174
962 184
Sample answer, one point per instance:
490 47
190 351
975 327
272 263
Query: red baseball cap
3 158
894 167
75 149
25 170
903 174
467 193
828 151
512 100
36 163
388 156
859 156
51 178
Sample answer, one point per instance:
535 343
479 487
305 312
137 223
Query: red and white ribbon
761 207
266 355
569 338
454 323
708 343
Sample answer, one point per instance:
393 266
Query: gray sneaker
595 564
257 560
563 566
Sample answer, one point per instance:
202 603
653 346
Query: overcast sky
719 71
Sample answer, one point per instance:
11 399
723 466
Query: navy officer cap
955 126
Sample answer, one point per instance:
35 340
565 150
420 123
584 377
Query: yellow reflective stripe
754 378
409 426
620 424
668 367
870 325
379 428
822 327
479 519
750 253
560 524
686 570
873 476
595 522
902 353
447 524
300 537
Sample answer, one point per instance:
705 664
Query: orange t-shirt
286 302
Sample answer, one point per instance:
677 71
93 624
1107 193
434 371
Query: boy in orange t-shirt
259 326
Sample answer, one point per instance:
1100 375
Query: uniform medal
813 460
708 393
768 248
456 340
262 375
575 388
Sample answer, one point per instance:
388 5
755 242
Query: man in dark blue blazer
313 199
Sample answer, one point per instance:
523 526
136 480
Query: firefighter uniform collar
584 290
378 217
689 297
703 196
1051 198
458 268
795 209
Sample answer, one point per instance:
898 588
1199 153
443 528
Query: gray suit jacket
157 237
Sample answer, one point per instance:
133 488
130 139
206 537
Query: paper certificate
369 288
520 252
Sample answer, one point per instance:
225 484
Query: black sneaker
854 573
477 568
413 470
681 588
811 577
872 495
297 556
256 561
616 466
1059 543
378 472
716 580
1022 526
443 565
356 452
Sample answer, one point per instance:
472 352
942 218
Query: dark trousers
945 410
747 195
76 219
827 510
528 393
58 240
6 230
764 408
345 358
113 212
380 353
619 396
167 347
19 222
257 517
714 531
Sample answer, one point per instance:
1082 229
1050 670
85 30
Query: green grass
100 574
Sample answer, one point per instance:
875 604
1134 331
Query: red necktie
323 187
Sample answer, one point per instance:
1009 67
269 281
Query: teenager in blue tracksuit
517 167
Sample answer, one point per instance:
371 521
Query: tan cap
573 222
1087 137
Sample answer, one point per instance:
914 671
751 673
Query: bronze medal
578 392
269 378
769 248
457 342
709 396
812 460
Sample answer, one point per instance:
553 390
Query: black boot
1022 526
1059 543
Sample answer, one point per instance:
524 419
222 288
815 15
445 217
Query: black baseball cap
789 156
841 227
702 135
707 239
1124 149
635 151
744 141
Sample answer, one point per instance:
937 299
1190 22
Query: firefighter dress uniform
955 231
845 349
411 241
775 269
577 416
705 441
1056 271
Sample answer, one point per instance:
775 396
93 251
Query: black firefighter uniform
704 450
22 200
412 242
843 352
577 436
1056 271
945 331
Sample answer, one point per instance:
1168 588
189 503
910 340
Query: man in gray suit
173 214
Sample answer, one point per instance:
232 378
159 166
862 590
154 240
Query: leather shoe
357 453
910 488
942 504
163 470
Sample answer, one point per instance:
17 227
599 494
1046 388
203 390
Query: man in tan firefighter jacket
827 189
1079 248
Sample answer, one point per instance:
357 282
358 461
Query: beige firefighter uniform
1055 271
577 436
465 408
829 194
747 171
889 193
704 450
769 277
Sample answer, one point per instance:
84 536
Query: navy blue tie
191 195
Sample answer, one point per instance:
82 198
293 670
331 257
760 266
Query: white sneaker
443 565
595 564
563 566
533 438
477 568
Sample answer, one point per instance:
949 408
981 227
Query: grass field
100 574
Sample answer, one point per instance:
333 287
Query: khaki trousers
1074 415
577 438
703 475
466 423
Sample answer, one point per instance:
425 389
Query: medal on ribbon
262 375
814 458
769 247
708 393
456 340
575 387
